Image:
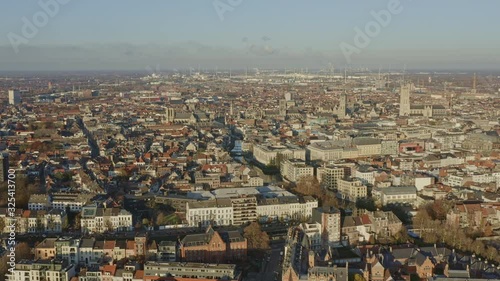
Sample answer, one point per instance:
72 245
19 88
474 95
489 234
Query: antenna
404 71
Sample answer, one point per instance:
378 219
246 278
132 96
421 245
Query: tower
404 100
341 113
169 114
282 107
14 97
474 84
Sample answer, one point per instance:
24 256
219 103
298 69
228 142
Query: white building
313 233
204 213
329 176
366 176
97 219
399 194
268 154
42 270
294 169
14 97
286 208
351 189
329 218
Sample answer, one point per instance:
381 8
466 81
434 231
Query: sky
223 34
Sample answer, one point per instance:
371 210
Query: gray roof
397 190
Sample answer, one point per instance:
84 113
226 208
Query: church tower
404 100
169 114
282 107
342 106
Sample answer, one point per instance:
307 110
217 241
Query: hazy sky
167 34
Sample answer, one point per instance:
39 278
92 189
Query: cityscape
250 160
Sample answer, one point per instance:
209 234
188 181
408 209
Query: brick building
213 247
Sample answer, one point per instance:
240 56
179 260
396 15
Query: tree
4 266
358 277
477 247
256 238
161 219
78 221
308 185
23 251
438 210
109 225
2 224
421 219
491 253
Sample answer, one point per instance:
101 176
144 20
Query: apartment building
38 202
399 194
98 219
329 219
41 270
198 271
285 208
75 201
294 169
244 209
47 221
313 232
330 176
351 189
204 213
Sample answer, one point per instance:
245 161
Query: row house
46 221
41 270
372 224
285 207
98 219
89 251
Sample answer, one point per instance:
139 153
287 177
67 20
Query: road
272 267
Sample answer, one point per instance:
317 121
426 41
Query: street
272 267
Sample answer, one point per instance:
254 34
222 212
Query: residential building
294 169
198 271
210 212
98 219
399 194
351 189
14 97
40 270
244 209
329 219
